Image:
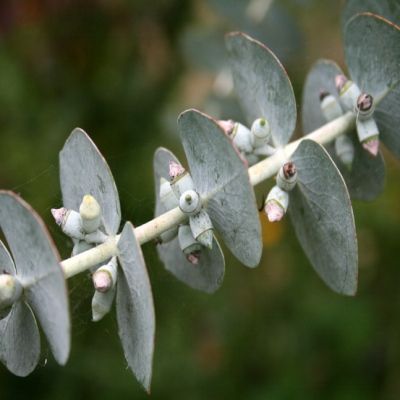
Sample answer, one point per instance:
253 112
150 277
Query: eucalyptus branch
258 173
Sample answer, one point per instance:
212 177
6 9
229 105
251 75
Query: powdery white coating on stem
259 172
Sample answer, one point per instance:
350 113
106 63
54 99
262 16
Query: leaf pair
374 67
83 170
223 184
319 207
35 262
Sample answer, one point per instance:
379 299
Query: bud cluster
84 227
251 143
180 191
277 201
331 110
362 104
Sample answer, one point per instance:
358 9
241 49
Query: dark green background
116 69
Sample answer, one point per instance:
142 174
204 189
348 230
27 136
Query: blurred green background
123 70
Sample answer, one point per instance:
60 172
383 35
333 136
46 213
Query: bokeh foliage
274 332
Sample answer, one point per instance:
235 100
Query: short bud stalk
10 290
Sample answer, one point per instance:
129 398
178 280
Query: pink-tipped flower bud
227 126
105 276
372 146
274 211
175 169
194 257
340 82
102 281
59 214
276 204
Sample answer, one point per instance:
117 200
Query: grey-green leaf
83 170
38 268
262 86
372 49
135 308
208 274
366 178
6 262
220 176
322 216
19 340
320 78
389 9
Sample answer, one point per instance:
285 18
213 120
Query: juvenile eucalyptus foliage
216 199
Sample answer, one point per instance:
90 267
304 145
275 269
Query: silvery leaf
322 216
320 78
19 340
372 49
365 180
38 269
135 309
389 9
220 176
161 160
208 274
83 170
6 262
262 86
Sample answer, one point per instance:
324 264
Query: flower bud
241 137
105 276
188 244
227 125
368 135
70 222
348 92
365 106
260 132
167 196
102 303
201 227
90 212
181 183
344 149
59 214
10 290
276 204
190 202
175 170
330 107
286 178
